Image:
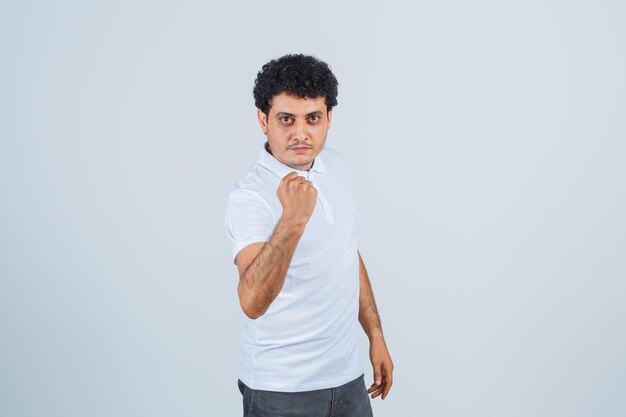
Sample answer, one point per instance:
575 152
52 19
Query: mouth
300 149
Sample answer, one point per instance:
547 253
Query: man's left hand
383 368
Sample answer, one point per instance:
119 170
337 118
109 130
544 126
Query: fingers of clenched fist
294 178
297 196
294 184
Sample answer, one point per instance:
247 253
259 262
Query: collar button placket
328 212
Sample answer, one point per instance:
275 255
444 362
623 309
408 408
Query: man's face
296 129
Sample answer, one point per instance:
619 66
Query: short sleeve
248 219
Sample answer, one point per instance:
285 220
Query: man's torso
307 339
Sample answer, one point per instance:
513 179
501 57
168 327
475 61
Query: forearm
382 364
264 278
368 313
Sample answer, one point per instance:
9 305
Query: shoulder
256 183
252 195
256 179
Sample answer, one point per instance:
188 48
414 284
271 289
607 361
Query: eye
285 119
314 118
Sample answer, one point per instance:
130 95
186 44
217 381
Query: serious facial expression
296 129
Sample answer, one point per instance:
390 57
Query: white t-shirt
308 337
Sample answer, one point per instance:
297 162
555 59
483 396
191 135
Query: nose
301 132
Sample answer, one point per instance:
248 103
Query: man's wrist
376 336
290 226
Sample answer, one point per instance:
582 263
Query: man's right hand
297 196
263 265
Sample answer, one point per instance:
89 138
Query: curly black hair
297 74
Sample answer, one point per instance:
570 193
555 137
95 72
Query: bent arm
264 276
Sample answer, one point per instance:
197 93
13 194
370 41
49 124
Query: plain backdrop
485 142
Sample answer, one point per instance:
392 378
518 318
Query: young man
303 285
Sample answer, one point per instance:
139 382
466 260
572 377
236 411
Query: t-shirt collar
270 162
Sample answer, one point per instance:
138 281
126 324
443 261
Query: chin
301 163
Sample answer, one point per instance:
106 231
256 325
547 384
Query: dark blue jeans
347 400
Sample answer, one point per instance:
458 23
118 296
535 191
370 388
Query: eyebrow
313 113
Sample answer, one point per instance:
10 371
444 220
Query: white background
486 144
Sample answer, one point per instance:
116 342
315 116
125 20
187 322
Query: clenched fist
297 196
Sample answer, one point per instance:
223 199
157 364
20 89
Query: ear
330 118
262 120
